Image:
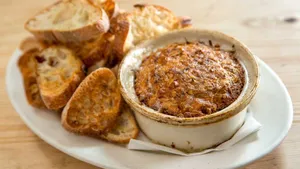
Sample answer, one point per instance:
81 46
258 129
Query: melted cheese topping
189 80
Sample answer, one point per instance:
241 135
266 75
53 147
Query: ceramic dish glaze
196 133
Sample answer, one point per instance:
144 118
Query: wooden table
270 28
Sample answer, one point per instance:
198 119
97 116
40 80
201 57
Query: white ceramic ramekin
189 134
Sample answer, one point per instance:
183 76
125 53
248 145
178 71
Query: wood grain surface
270 28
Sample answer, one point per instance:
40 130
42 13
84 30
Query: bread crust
115 134
121 26
81 93
76 36
27 66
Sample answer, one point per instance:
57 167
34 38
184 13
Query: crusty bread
110 6
94 107
145 22
69 21
125 127
27 67
94 54
30 43
59 72
94 51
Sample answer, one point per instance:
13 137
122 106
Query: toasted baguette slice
59 72
94 54
69 21
125 128
27 67
95 51
145 22
30 43
94 107
110 6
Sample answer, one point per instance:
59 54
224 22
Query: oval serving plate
271 98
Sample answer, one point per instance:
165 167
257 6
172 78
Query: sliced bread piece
94 54
27 67
94 107
95 51
125 127
69 21
59 72
145 22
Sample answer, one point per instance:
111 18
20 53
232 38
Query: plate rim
289 122
17 53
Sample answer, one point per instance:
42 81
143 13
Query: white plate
272 107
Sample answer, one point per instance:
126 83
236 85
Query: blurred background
270 28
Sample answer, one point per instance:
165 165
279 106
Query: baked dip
189 80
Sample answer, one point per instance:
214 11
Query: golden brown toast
27 67
94 107
95 54
94 51
110 6
59 72
125 127
69 21
145 22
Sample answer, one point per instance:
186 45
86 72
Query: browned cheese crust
189 80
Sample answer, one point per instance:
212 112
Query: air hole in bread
75 122
52 61
40 59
